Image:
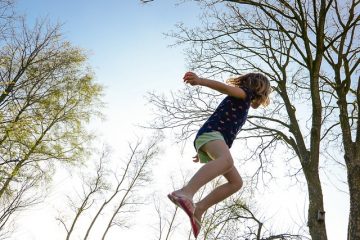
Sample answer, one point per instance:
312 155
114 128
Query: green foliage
43 118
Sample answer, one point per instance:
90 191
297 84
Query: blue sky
127 47
130 56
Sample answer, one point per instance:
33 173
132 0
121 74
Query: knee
228 162
237 184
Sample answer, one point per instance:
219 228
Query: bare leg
220 193
222 163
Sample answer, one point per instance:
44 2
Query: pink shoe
189 208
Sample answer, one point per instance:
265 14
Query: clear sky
130 56
128 49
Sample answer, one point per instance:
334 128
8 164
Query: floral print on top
229 117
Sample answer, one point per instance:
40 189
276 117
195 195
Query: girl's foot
183 202
189 208
182 193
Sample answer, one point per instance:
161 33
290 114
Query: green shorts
203 139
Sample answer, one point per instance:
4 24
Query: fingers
189 75
196 158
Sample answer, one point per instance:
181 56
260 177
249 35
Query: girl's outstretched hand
192 79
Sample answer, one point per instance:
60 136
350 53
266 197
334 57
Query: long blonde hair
257 82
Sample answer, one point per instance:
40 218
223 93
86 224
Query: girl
215 138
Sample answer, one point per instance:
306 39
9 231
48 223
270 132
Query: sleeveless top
229 117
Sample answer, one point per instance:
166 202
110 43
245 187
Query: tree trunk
316 217
316 223
352 157
354 190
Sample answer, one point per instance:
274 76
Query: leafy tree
47 95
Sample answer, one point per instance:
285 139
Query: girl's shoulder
249 95
248 91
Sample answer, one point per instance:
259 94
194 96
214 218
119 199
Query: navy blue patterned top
228 117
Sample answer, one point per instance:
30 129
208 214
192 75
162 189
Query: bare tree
115 203
343 81
289 41
237 220
92 186
166 221
22 199
137 174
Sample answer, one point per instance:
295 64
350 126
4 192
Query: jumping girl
214 139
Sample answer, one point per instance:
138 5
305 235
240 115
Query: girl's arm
193 80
